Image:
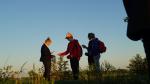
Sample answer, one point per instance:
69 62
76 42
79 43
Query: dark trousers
75 68
146 43
47 68
90 60
91 63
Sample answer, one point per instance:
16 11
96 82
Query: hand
84 46
69 57
86 54
52 56
60 54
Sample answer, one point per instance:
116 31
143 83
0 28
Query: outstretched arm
64 53
69 49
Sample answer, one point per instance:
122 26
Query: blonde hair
48 40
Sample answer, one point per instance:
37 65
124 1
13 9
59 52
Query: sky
25 24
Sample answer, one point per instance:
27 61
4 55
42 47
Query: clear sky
25 24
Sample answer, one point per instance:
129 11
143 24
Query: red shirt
71 50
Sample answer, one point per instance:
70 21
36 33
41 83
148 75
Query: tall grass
106 78
60 74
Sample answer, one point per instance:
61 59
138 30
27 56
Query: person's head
91 36
69 36
48 41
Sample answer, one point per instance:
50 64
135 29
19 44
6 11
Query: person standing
138 12
46 58
74 52
95 48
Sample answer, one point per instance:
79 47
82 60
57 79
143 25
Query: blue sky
25 24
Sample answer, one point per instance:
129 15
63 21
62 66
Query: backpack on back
102 47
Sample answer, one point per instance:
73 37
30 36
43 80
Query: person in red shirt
74 52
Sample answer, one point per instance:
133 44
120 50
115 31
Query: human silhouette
46 58
95 48
138 12
74 52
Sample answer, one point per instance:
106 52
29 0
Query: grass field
60 74
109 78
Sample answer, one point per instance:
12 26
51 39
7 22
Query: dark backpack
102 47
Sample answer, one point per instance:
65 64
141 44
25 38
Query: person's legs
97 63
91 63
97 67
44 75
75 68
47 67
